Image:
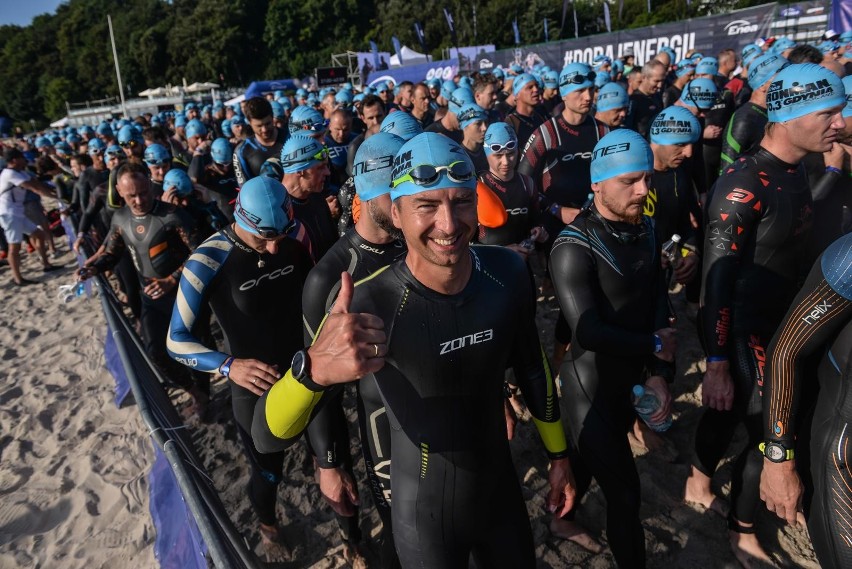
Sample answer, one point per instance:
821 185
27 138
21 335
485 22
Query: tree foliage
67 56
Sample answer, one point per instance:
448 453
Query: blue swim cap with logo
300 153
401 124
471 113
460 98
551 79
221 151
847 85
520 82
707 66
612 96
262 203
437 153
802 89
498 136
179 180
684 67
575 76
751 48
675 125
700 93
373 165
763 68
602 78
620 152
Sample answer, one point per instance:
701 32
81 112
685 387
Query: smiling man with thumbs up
436 331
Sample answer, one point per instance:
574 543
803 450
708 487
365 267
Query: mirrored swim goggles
427 174
263 232
577 79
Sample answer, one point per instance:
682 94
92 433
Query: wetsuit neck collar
405 272
766 154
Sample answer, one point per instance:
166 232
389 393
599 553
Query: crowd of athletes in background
529 141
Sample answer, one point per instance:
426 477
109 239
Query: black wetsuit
222 187
258 310
315 217
819 324
338 160
743 133
524 125
832 194
718 115
670 95
758 221
442 386
643 109
670 201
85 187
249 156
611 289
346 199
360 258
438 126
480 162
159 243
521 201
557 157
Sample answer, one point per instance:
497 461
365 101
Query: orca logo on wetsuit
517 211
251 283
469 340
577 155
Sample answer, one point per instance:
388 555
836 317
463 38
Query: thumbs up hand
348 346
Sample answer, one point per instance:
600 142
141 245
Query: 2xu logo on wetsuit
778 97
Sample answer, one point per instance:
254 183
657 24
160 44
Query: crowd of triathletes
531 146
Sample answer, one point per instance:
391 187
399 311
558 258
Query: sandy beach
73 469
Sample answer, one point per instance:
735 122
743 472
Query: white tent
409 56
196 87
60 123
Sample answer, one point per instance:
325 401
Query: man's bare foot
272 542
572 531
520 409
697 492
644 438
354 556
747 549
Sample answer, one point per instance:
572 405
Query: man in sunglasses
459 317
369 246
130 140
252 275
304 161
252 152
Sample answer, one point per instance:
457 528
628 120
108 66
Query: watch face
298 364
775 452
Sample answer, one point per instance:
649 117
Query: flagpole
117 70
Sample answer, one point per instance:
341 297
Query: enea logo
739 27
485 64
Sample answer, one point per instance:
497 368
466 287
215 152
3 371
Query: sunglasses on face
426 174
264 232
128 144
510 145
577 79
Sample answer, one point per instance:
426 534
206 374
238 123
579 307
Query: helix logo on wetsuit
819 310
468 340
777 96
272 275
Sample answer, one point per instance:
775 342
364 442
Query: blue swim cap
190 106
763 68
115 150
675 125
277 109
157 154
63 148
126 134
301 93
575 76
707 66
226 128
179 180
43 141
105 130
828 46
221 151
700 93
617 67
373 164
520 82
847 85
471 113
262 203
460 98
358 98
750 49
180 120
551 80
697 55
344 98
96 146
620 152
238 119
434 83
684 67
670 52
516 69
466 81
602 78
401 124
600 60
447 88
846 37
783 44
802 89
195 128
87 130
498 73
306 118
300 152
499 137
74 139
434 150
612 96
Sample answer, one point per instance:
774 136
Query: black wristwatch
776 452
300 368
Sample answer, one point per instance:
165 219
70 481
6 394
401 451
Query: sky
22 13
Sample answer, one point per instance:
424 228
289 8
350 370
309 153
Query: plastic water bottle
646 403
67 293
671 250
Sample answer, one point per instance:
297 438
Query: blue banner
398 48
442 70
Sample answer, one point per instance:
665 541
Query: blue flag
517 33
421 36
452 25
375 49
546 38
607 18
398 48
